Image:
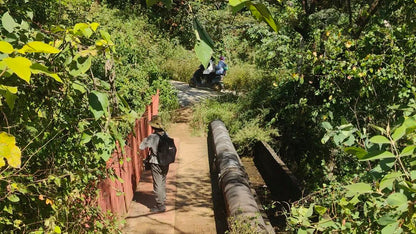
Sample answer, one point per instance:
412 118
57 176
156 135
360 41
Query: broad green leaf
392 228
399 133
9 150
20 66
386 220
78 87
379 140
358 152
408 150
359 188
9 89
87 32
2 162
397 199
203 52
13 198
326 125
106 36
37 68
57 229
410 122
38 47
374 155
85 138
80 26
6 47
8 22
237 5
201 34
98 104
85 66
204 45
325 223
10 99
94 26
260 12
388 180
82 66
320 210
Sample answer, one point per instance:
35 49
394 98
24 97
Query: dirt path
189 198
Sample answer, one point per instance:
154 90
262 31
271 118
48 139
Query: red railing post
115 195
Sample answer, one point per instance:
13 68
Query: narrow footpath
189 198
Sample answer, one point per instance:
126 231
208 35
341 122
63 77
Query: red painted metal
117 191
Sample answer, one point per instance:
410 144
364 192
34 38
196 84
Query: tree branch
363 20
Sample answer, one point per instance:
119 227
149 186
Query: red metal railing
115 195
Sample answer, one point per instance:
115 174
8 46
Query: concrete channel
232 186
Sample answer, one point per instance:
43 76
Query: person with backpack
162 152
222 67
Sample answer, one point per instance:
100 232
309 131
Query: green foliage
243 224
382 201
67 93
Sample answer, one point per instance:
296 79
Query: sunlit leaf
374 155
379 140
6 47
8 22
38 47
408 150
397 199
20 66
80 26
386 219
392 228
10 89
359 188
326 125
388 180
204 45
398 133
320 209
94 26
13 198
9 150
37 68
260 11
237 5
57 229
106 36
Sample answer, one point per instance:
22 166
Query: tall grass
181 65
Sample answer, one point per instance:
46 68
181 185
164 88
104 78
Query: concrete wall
282 184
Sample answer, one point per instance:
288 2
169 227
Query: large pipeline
233 180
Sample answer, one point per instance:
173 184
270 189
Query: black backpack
166 150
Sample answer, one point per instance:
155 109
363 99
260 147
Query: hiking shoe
158 209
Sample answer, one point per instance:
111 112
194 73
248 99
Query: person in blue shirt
222 67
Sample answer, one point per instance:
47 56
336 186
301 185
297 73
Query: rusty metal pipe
233 179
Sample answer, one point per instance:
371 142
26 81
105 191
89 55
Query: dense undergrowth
337 85
332 91
74 77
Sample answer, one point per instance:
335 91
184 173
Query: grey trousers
159 183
